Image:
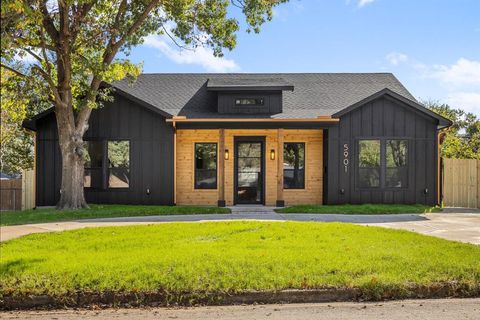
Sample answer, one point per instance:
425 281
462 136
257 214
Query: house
272 139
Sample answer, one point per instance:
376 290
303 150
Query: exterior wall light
227 154
272 154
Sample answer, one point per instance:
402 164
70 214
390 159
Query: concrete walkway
433 309
453 224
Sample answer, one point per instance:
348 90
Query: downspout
440 135
174 162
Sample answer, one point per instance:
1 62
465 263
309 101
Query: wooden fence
18 194
461 183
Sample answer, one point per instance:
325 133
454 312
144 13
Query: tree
17 143
74 45
462 139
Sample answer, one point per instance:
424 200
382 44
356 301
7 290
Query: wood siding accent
186 192
313 192
188 195
279 153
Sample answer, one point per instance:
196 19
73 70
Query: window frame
107 168
383 163
303 187
101 168
195 166
256 104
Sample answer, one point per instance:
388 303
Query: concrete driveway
453 224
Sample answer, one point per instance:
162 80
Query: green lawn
361 209
217 258
99 211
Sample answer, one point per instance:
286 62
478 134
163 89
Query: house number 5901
345 157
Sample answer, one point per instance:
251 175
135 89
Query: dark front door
249 175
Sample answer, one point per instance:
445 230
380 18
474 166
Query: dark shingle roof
314 94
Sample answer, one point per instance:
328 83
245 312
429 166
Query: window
396 171
369 163
205 166
93 164
118 156
249 102
382 163
294 165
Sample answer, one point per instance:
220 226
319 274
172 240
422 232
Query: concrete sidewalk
432 309
464 227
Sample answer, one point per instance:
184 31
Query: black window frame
383 163
107 165
195 186
101 168
302 187
105 169
258 102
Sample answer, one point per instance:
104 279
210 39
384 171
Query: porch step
251 209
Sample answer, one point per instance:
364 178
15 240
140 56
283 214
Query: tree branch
48 22
18 73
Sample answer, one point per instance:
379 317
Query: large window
118 164
205 166
382 163
396 170
294 165
93 164
107 164
369 163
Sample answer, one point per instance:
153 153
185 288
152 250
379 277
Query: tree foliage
73 46
16 151
462 139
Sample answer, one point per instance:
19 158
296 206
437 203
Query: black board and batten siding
151 150
383 118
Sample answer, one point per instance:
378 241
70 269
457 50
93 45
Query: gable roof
442 121
313 95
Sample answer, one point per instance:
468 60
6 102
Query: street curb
164 299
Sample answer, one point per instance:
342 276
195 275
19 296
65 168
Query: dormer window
249 102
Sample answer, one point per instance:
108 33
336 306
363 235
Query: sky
431 46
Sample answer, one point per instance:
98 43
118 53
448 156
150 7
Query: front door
249 170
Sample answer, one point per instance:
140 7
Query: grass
99 211
229 257
361 209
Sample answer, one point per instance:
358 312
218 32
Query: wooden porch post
221 168
280 200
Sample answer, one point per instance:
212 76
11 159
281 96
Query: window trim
256 104
195 166
101 168
107 168
383 163
304 165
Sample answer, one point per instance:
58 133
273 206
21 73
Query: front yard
361 209
99 211
219 258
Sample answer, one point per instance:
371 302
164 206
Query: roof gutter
183 119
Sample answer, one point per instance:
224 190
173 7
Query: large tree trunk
72 195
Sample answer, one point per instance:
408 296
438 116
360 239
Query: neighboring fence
18 194
11 194
28 189
461 183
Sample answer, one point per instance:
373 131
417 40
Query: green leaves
462 139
